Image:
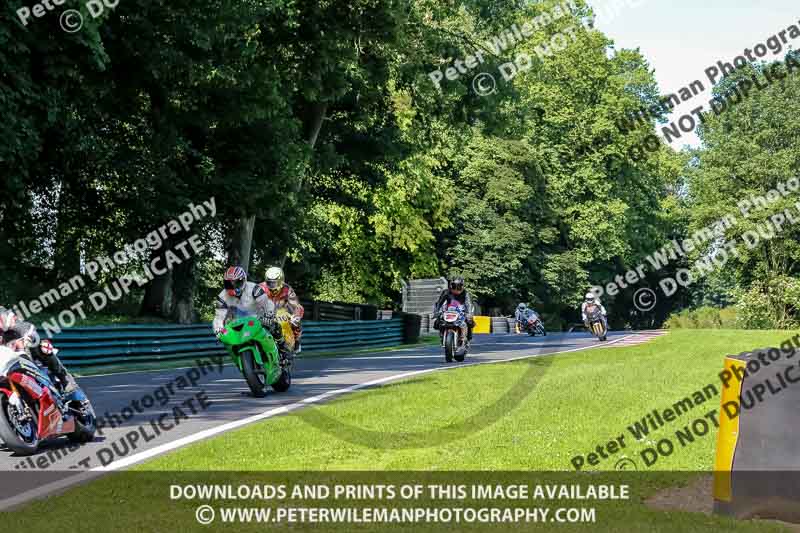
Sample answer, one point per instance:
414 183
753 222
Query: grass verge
574 402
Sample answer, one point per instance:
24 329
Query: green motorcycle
255 353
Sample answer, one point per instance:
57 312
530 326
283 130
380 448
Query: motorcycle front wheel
449 345
21 437
284 382
254 374
85 426
461 348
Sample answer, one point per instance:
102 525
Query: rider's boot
284 353
298 333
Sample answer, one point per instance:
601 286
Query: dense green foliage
704 318
749 149
329 150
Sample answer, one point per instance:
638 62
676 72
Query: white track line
206 433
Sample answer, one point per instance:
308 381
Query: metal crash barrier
757 465
133 344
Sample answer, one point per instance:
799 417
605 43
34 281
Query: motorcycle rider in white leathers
589 300
22 337
242 298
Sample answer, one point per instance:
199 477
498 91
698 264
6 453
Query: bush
765 305
680 320
728 317
707 318
769 306
702 318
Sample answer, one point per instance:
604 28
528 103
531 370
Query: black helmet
457 284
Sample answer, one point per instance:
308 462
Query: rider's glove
295 320
267 319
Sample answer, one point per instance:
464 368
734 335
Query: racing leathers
287 299
584 305
23 338
464 299
522 317
252 302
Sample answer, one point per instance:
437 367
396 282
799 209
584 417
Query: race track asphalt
56 466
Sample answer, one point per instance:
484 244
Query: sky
682 38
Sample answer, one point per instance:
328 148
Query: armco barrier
499 325
483 324
131 344
338 311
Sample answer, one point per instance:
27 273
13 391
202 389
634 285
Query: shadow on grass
402 440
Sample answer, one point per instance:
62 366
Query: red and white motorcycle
31 408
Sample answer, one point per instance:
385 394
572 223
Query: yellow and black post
757 465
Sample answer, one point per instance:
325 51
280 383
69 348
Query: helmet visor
274 284
234 285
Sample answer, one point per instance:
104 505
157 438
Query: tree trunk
183 281
242 236
318 110
241 242
157 299
67 259
317 116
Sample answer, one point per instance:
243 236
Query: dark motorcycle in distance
33 411
597 323
532 325
453 325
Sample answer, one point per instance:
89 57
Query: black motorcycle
532 325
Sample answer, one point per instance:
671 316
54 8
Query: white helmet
590 297
7 319
274 279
